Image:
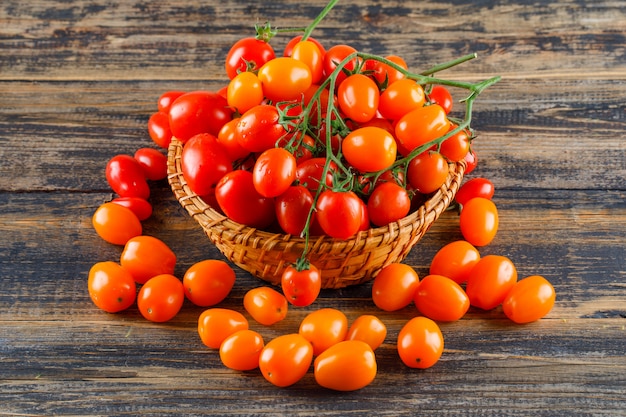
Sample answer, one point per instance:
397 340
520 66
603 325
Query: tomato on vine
310 54
427 172
389 202
284 79
244 91
400 98
274 171
301 284
198 112
421 126
248 54
369 149
339 213
441 96
358 98
259 129
385 73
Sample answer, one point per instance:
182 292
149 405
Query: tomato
441 96
400 98
116 224
111 287
241 350
228 138
309 53
166 99
479 221
242 203
334 56
440 298
126 177
301 286
530 299
347 366
476 187
146 256
384 72
490 281
456 146
427 172
274 171
208 282
369 329
286 359
142 208
339 213
295 40
365 217
216 324
420 343
455 261
153 162
471 160
258 128
244 91
358 98
292 209
159 129
266 305
324 328
198 112
161 298
421 125
246 52
284 79
204 162
302 147
388 203
309 173
369 149
394 287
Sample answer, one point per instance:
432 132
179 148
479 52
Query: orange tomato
440 298
394 287
216 324
455 260
116 224
490 281
479 221
208 282
529 300
286 359
266 305
420 343
347 366
324 328
161 298
111 287
146 257
369 329
241 350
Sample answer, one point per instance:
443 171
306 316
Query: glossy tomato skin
274 171
455 260
388 203
126 177
456 146
147 256
339 213
240 201
475 187
228 138
369 149
427 172
441 299
142 208
244 92
247 50
529 300
400 98
296 39
285 79
166 99
324 328
198 112
384 73
153 162
161 298
204 162
369 329
394 287
208 282
490 281
241 350
309 53
471 161
286 359
441 96
420 343
292 209
159 129
346 366
111 287
116 224
309 173
479 221
358 98
266 305
334 56
216 324
301 286
420 126
258 128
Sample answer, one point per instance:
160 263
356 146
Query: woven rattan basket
342 262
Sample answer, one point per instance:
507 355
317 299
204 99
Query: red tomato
479 221
358 98
427 172
292 209
111 287
285 79
161 298
440 95
258 128
369 149
440 298
153 162
274 171
324 328
126 177
198 112
286 359
339 213
394 287
420 343
385 73
204 162
476 187
159 129
529 300
456 146
455 261
228 138
244 91
248 52
142 208
166 99
388 203
400 98
242 203
208 282
241 350
369 329
116 224
471 160
146 256
266 305
421 126
490 281
347 366
334 56
309 173
216 324
301 286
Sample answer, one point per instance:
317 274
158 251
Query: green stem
318 19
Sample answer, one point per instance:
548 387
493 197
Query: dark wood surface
78 81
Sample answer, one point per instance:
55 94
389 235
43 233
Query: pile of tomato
312 141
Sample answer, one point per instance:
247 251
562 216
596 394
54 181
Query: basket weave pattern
341 262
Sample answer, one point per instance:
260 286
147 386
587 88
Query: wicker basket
341 262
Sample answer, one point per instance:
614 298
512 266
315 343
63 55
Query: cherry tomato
358 98
242 203
309 173
228 138
388 203
530 299
421 125
142 208
204 162
490 281
456 146
476 187
161 298
441 96
369 149
286 359
347 366
159 129
274 171
244 91
301 286
166 99
400 98
479 221
471 160
198 112
111 287
126 177
284 79
427 172
241 350
208 282
295 40
384 72
147 256
440 298
292 209
334 56
420 343
369 329
258 128
153 162
216 324
394 287
247 51
310 54
339 213
455 261
116 224
266 305
324 328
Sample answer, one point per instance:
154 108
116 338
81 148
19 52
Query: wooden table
78 81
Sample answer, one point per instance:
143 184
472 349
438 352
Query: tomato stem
318 19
